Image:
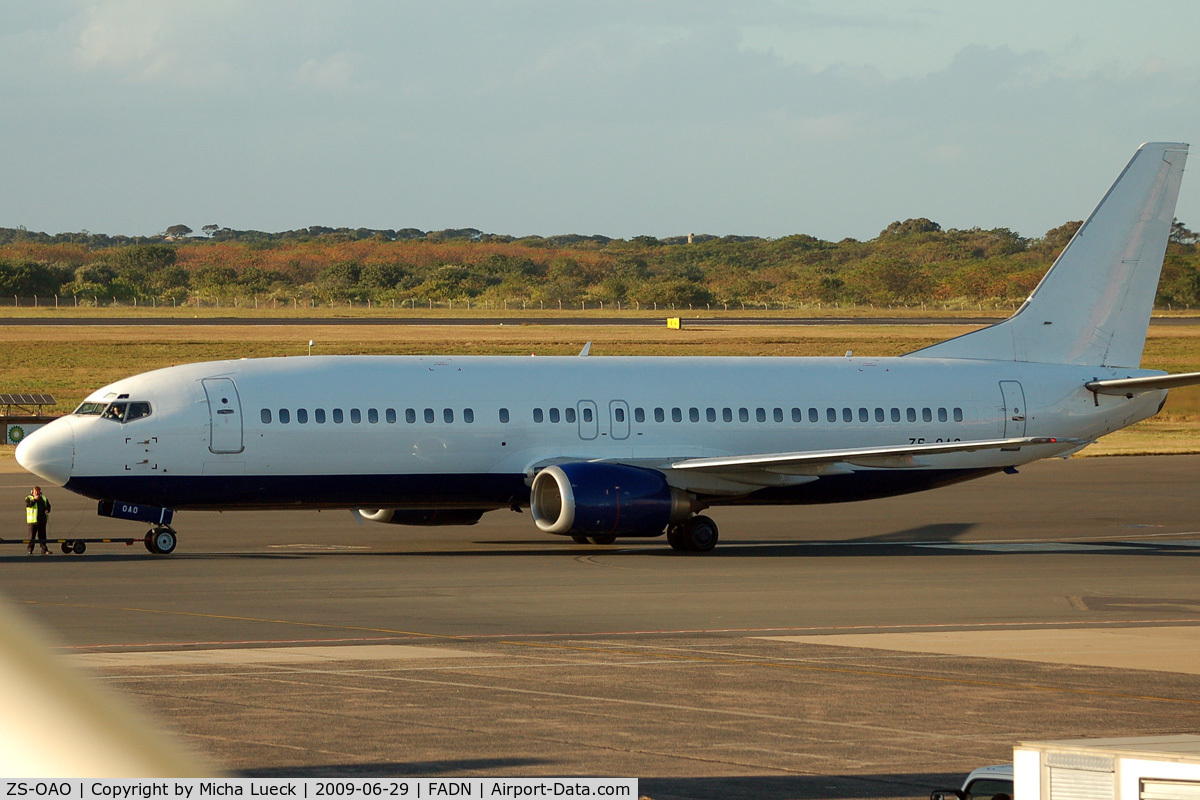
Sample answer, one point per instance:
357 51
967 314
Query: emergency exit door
1014 409
224 415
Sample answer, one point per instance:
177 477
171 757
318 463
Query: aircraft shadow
926 541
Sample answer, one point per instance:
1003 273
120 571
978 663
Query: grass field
72 361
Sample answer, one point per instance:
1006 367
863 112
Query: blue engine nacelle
584 498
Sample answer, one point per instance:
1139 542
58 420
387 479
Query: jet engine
423 516
584 498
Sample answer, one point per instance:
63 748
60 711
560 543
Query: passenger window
319 416
796 417
554 415
727 414
958 415
694 414
569 414
587 415
537 415
941 415
410 415
429 416
137 411
265 416
710 414
504 416
926 415
879 415
468 415
778 414
284 416
639 415
911 414
337 416
895 415
831 415
847 415
863 415
355 416
743 415
448 415
372 415
619 414
390 416
676 415
658 415
760 414
302 416
813 415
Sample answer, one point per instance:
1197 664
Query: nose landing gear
161 540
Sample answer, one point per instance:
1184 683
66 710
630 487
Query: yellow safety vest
31 513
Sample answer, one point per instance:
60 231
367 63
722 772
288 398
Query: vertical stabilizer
1093 306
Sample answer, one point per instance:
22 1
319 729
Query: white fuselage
470 432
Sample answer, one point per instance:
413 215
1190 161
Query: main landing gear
161 540
697 534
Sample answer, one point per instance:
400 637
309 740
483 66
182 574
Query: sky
831 118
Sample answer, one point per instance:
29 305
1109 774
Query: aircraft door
224 414
589 421
618 419
1014 408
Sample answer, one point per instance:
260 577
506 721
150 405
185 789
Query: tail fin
1093 306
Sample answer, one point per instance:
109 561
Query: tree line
910 262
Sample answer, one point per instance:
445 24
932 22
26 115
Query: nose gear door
224 414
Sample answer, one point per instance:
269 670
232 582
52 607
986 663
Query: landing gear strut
161 540
697 534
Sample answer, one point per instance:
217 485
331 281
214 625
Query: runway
877 649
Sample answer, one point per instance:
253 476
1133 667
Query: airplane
605 447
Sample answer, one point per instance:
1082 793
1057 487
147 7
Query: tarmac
870 650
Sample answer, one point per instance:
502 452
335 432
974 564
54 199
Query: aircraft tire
580 539
700 533
604 538
149 541
677 538
164 541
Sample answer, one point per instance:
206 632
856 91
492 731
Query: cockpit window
121 411
137 410
90 409
115 411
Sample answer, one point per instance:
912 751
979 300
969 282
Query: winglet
587 348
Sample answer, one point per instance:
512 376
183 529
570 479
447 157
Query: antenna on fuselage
310 343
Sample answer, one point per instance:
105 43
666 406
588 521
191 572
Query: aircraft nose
49 452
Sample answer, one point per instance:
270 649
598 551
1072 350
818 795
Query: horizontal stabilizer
1132 386
862 456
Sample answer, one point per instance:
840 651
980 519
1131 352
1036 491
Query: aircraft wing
892 456
1132 386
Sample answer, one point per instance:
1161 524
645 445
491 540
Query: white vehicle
605 447
985 783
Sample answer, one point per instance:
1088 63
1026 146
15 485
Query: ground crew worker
37 513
